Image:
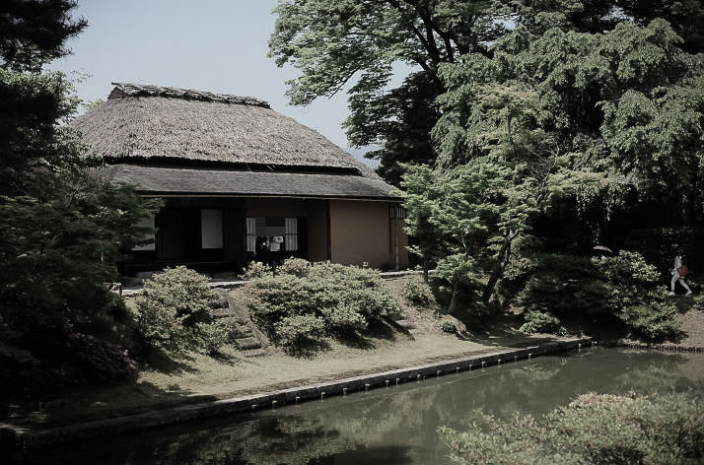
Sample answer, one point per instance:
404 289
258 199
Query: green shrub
174 311
274 298
623 287
256 270
101 361
594 429
627 269
211 336
346 299
447 326
418 293
294 266
344 318
540 322
653 320
299 330
566 284
660 245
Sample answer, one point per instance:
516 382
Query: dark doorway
178 236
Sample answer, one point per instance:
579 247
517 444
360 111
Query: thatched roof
162 180
140 123
122 90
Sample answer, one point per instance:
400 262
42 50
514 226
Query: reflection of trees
391 426
658 376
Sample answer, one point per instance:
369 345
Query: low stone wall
26 438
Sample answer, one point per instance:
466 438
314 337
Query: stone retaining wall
26 438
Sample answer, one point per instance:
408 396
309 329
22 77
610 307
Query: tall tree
467 219
399 122
61 225
334 43
32 32
627 104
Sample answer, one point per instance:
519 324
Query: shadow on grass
385 329
170 363
377 330
226 359
309 349
90 403
500 331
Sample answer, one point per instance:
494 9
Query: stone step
244 332
255 353
247 343
408 324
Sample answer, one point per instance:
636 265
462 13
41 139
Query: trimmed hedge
299 302
174 312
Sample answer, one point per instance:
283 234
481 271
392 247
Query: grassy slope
196 377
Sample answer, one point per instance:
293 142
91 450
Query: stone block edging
26 438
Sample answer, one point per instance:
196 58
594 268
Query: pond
392 426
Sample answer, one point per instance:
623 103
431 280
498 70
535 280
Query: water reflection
391 426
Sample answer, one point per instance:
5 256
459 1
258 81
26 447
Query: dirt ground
692 322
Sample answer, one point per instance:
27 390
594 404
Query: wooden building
240 182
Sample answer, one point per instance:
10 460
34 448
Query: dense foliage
541 322
360 43
335 43
174 312
305 301
587 114
470 217
418 293
592 112
61 226
620 290
594 429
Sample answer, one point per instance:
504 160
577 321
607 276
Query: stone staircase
404 322
245 336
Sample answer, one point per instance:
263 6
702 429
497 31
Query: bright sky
214 45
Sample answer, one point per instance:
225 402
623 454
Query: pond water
392 426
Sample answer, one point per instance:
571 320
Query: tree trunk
453 300
498 271
491 284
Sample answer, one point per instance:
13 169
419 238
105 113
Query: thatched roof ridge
122 90
140 123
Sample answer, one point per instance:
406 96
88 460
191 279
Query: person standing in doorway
679 272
